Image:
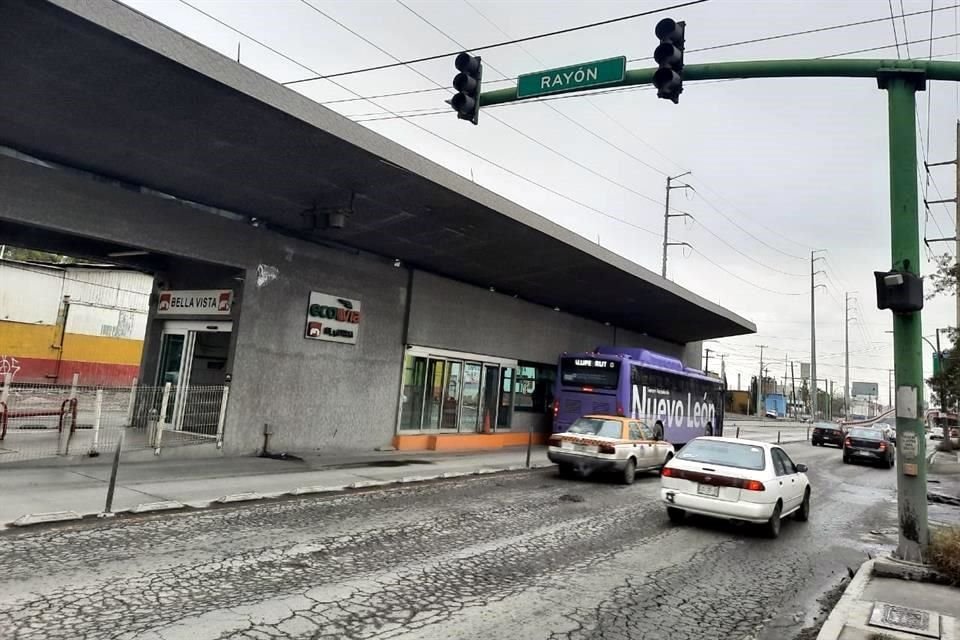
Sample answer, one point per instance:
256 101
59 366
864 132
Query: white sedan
735 479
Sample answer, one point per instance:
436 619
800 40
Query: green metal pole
811 68
907 339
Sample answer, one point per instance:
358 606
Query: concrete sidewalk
81 490
893 600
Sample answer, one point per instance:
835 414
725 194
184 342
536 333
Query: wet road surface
525 555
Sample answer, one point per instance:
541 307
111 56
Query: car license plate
581 447
863 453
708 490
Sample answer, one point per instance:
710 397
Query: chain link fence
41 421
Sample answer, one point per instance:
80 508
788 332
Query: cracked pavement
490 556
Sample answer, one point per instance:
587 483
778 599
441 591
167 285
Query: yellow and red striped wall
30 353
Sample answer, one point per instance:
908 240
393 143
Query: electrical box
899 291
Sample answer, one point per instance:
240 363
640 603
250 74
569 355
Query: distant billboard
864 389
805 370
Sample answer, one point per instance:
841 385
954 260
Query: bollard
529 444
113 475
5 391
778 437
97 413
223 414
162 418
738 432
152 425
133 402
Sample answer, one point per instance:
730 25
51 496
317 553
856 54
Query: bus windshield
589 372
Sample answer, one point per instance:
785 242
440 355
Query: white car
614 444
737 480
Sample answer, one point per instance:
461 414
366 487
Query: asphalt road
524 555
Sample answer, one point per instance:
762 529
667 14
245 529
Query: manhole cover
917 621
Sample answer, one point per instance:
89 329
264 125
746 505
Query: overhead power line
700 50
497 44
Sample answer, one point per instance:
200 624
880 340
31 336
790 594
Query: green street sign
936 361
573 78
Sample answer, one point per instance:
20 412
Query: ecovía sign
211 302
332 318
572 78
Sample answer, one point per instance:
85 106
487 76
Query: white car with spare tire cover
736 480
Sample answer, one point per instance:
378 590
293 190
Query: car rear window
866 434
728 454
826 425
596 427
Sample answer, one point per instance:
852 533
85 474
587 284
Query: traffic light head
466 101
669 57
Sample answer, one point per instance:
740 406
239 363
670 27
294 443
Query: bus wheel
629 472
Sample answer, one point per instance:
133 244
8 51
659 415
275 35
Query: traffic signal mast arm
811 68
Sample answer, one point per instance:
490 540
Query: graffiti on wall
8 364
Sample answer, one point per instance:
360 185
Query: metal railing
44 420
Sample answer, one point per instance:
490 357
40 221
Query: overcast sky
780 167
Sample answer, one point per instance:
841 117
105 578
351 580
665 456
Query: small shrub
945 551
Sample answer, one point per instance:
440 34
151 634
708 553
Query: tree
34 255
945 383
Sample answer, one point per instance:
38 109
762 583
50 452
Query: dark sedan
826 433
868 445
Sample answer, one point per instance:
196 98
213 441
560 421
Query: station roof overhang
100 87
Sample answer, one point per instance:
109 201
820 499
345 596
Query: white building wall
29 294
103 302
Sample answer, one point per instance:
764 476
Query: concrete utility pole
846 355
890 388
759 397
793 390
813 330
666 219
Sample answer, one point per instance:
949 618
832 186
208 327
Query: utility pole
666 219
830 398
813 330
846 352
759 397
890 388
793 391
706 367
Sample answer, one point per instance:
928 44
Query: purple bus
641 384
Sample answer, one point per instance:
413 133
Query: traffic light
669 56
467 84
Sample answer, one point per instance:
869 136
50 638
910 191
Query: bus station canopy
100 87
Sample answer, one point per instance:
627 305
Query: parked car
609 444
826 433
868 445
888 430
737 480
771 414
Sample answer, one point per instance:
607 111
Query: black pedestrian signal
467 85
668 78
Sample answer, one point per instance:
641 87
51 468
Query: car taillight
670 473
556 408
753 485
847 443
607 448
883 446
554 441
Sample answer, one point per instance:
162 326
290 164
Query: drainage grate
916 621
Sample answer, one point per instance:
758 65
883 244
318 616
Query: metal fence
41 421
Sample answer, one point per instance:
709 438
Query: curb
55 517
46 518
837 620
